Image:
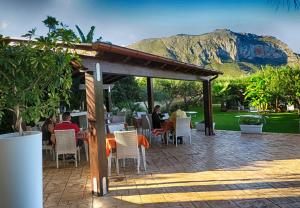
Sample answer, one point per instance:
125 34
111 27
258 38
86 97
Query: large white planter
201 126
21 178
251 129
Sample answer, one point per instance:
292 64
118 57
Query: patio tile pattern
228 170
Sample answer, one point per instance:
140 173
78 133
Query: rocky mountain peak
222 48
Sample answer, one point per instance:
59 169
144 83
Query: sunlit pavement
228 170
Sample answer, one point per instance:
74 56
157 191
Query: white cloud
3 25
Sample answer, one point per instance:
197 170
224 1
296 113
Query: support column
109 102
207 99
150 94
97 140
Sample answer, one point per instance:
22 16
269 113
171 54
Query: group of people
50 125
157 121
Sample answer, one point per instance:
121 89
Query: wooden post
150 94
207 99
109 102
97 140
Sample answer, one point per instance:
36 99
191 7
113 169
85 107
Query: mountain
233 53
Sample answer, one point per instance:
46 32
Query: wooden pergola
104 64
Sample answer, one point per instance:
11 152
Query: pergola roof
119 62
119 56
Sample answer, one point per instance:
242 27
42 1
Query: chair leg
138 164
109 164
76 159
144 156
117 165
78 152
56 160
124 162
86 149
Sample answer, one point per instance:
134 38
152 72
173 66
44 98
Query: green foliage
270 86
230 91
36 75
89 37
251 120
126 91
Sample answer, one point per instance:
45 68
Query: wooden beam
97 140
207 99
147 63
127 59
150 94
163 66
140 71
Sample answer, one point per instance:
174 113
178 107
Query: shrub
251 120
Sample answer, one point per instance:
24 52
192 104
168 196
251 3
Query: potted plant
251 124
200 126
34 76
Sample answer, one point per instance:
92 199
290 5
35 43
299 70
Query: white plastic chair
121 113
49 147
127 147
66 144
147 128
183 129
118 119
139 114
112 127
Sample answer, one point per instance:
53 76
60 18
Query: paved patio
228 170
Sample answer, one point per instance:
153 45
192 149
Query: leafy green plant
251 120
35 75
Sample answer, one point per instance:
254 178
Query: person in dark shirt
156 118
48 130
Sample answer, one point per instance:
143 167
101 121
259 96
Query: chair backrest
146 124
121 113
112 127
183 126
139 114
127 144
65 141
118 119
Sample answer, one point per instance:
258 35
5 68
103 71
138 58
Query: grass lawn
276 122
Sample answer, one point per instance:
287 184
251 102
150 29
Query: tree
190 91
35 75
166 92
286 3
51 23
230 92
125 92
291 85
89 37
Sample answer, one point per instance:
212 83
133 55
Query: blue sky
125 22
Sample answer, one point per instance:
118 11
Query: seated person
156 118
177 114
48 130
67 124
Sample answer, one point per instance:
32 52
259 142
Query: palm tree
51 23
89 37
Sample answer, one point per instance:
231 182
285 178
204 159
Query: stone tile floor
228 170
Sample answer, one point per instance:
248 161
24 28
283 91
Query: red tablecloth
111 142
